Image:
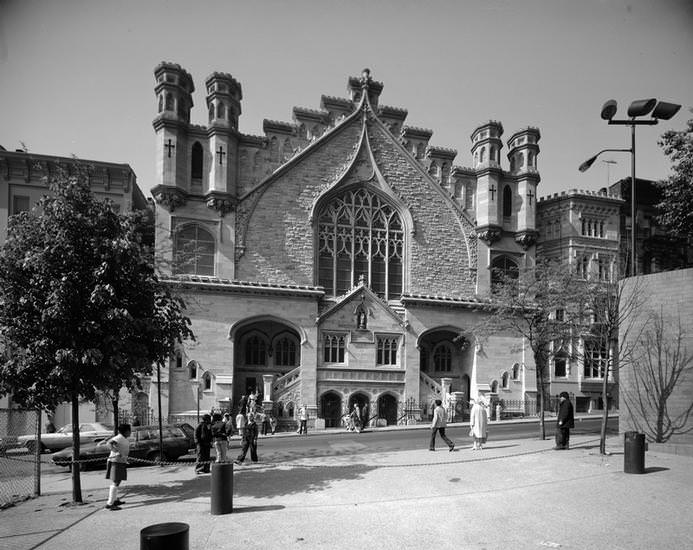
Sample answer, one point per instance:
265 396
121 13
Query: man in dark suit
564 422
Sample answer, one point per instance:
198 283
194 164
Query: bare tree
663 362
609 320
524 303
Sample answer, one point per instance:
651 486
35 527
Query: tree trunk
605 411
540 364
116 414
37 455
542 409
76 482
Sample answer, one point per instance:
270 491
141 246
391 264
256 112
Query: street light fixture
658 110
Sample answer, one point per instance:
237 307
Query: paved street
516 493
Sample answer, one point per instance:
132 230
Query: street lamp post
658 110
197 385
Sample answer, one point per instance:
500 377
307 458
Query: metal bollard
222 488
634 453
165 536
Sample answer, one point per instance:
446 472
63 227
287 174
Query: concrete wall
669 294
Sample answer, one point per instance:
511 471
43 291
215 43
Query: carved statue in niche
361 313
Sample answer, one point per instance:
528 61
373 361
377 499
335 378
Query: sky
76 76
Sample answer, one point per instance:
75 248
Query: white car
61 439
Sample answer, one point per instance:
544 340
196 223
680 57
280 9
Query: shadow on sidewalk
250 482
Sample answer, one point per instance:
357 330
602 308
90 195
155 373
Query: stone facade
338 259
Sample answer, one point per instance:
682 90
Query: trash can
165 536
634 453
222 488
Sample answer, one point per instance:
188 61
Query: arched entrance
387 409
263 346
331 406
447 352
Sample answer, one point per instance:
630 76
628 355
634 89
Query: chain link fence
18 471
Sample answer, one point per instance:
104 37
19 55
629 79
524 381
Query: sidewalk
513 494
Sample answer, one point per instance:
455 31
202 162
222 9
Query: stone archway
387 409
331 407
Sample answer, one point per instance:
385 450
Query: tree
82 310
524 304
675 207
663 362
609 318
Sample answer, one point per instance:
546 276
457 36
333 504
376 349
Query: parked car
61 439
144 444
8 442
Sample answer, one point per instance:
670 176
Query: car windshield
65 430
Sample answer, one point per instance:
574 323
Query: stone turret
223 100
415 140
393 117
173 89
523 149
356 85
486 145
224 96
440 164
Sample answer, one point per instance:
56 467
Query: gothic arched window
194 250
206 381
285 352
360 234
442 358
507 202
196 161
255 351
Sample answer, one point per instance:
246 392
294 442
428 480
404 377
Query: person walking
219 437
249 439
303 421
273 422
228 428
203 443
264 423
356 418
116 465
565 420
478 423
240 423
438 427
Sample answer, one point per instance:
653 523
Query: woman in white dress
478 422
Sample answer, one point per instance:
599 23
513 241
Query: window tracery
360 234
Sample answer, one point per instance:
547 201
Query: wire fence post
37 455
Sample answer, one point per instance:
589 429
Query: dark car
178 439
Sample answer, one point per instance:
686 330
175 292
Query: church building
338 259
